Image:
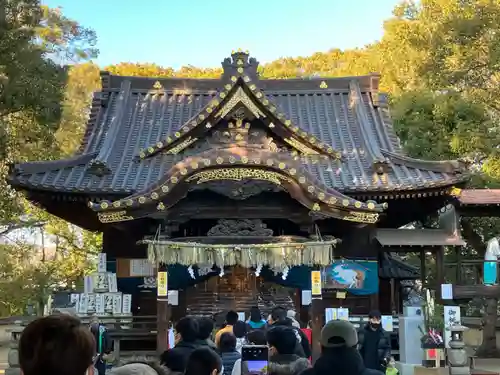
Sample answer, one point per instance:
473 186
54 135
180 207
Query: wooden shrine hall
239 186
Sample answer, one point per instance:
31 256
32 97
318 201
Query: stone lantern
457 355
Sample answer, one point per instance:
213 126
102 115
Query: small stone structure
457 355
13 358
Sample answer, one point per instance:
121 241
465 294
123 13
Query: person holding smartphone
282 343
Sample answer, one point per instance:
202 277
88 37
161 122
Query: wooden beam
472 291
439 254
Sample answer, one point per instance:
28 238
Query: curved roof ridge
443 166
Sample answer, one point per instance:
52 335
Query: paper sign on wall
316 283
173 297
162 281
387 323
88 284
101 263
112 283
343 313
330 314
127 304
446 291
451 317
117 303
306 297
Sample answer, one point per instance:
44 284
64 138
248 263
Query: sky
203 32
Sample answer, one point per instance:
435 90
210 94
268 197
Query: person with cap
339 353
374 343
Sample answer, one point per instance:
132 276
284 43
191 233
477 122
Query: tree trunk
488 347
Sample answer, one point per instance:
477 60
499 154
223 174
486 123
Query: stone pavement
490 364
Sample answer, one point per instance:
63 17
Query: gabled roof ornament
238 63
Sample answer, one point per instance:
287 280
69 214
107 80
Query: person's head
240 329
138 368
205 328
56 345
231 318
227 343
374 316
278 313
256 337
172 360
255 315
186 329
290 314
281 340
286 322
203 361
338 334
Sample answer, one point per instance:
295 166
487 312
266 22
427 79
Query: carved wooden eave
239 90
237 164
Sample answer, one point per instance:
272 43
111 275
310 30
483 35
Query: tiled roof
418 237
348 115
391 267
479 197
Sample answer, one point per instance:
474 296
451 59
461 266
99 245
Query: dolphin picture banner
354 276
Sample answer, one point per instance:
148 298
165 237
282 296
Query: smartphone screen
254 360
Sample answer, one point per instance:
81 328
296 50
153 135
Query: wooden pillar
317 325
458 270
423 269
162 318
439 254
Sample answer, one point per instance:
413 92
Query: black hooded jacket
342 361
374 346
287 364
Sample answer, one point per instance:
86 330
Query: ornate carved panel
239 190
244 227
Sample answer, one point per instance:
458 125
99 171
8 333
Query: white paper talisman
83 306
99 304
451 317
100 282
101 263
91 303
108 302
173 297
127 304
117 303
112 284
88 284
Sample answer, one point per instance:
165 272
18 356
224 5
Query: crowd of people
61 345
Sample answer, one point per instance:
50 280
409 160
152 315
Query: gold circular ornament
129 202
357 205
194 165
321 195
159 144
219 160
232 159
246 79
371 206
330 149
174 179
169 139
208 125
310 189
281 165
258 95
164 188
312 140
272 109
293 171
257 161
222 95
215 102
185 129
183 171
253 87
345 202
269 162
234 79
117 204
302 179
332 200
206 162
209 110
288 122
141 200
151 150
160 206
239 62
177 134
315 207
265 102
201 117
154 195
90 204
227 87
104 205
142 154
240 70
244 159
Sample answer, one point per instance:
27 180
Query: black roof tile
129 115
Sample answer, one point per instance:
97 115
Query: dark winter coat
228 360
181 353
342 361
374 346
290 364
